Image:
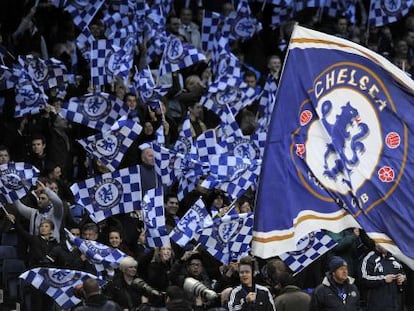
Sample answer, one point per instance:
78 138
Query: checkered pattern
344 8
229 126
179 55
7 79
186 185
58 283
148 92
282 14
84 42
16 179
110 194
98 111
240 24
206 144
110 147
268 98
378 15
224 63
210 27
163 158
154 218
83 15
311 248
303 4
159 134
30 97
114 22
102 256
228 234
195 220
226 167
228 91
102 69
185 143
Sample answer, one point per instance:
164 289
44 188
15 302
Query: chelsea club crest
175 50
108 146
95 107
392 7
244 27
229 96
61 278
10 179
304 244
340 136
107 193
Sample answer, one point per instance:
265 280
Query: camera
197 288
146 288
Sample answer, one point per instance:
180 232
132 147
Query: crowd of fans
170 277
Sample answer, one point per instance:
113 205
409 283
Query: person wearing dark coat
337 291
94 300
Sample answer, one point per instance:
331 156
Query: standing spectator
249 295
383 276
188 29
337 291
171 206
37 155
4 155
94 300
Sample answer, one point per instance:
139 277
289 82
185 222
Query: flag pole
7 213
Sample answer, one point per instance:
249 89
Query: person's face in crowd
218 201
195 267
274 64
76 232
120 91
251 81
131 271
147 156
227 8
4 157
186 16
196 110
131 101
38 147
174 25
342 26
45 229
53 186
401 48
148 128
56 173
43 200
246 275
245 207
89 234
115 239
60 122
172 205
340 275
192 83
165 253
141 237
410 39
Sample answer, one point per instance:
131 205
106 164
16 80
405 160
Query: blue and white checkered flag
109 61
224 63
109 194
309 248
83 11
16 179
240 24
196 219
303 4
98 110
102 256
58 283
149 93
210 27
282 13
185 143
228 234
268 98
345 8
8 79
84 43
46 73
179 55
388 11
109 147
207 147
30 97
154 219
228 91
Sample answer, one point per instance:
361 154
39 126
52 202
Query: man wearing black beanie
337 291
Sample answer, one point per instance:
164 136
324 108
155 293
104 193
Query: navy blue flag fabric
339 151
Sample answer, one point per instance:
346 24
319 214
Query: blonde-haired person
122 289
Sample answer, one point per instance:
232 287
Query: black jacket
264 300
326 296
98 303
381 295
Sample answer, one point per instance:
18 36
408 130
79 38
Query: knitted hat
336 262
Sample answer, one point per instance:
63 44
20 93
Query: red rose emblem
386 174
392 140
305 117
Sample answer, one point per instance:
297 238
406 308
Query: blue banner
339 152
